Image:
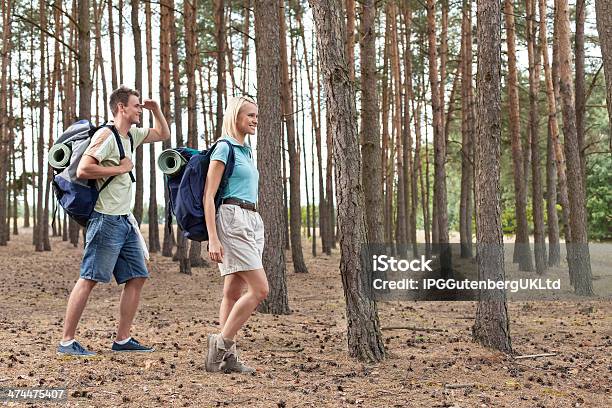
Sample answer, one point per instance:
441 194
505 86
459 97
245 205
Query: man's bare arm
90 169
161 131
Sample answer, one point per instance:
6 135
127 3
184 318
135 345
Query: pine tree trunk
136 34
24 179
522 250
410 174
387 147
467 133
536 176
578 250
295 209
39 231
603 10
4 125
111 39
401 235
579 84
154 245
370 130
491 327
440 197
164 92
364 335
267 44
554 250
219 9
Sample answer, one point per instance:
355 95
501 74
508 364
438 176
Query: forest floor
301 359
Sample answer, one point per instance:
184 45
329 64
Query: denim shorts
112 247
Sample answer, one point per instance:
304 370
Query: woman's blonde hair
234 104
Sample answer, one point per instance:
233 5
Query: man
113 243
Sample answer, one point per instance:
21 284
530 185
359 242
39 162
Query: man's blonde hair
234 104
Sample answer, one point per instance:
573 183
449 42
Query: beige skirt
241 233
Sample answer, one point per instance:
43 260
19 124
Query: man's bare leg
76 305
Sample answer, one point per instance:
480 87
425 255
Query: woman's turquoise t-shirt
244 181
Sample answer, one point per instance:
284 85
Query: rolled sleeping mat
170 162
59 156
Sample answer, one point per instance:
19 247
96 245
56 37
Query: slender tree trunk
401 235
267 44
154 245
295 210
578 250
120 7
111 39
603 11
24 178
440 195
39 244
410 175
536 176
387 148
370 130
164 92
552 172
220 54
136 34
467 133
4 125
579 90
492 326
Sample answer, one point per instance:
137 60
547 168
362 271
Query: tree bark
440 196
492 326
370 130
401 235
111 39
39 231
467 133
578 250
579 84
154 244
536 176
164 99
220 54
267 44
603 11
295 208
136 34
364 335
552 172
4 125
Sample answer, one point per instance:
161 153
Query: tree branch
35 24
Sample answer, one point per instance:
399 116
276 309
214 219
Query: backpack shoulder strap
230 158
121 150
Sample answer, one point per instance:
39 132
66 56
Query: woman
236 234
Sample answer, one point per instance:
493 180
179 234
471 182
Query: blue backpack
187 189
77 196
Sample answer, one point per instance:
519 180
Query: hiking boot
216 350
231 364
131 346
220 357
75 349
